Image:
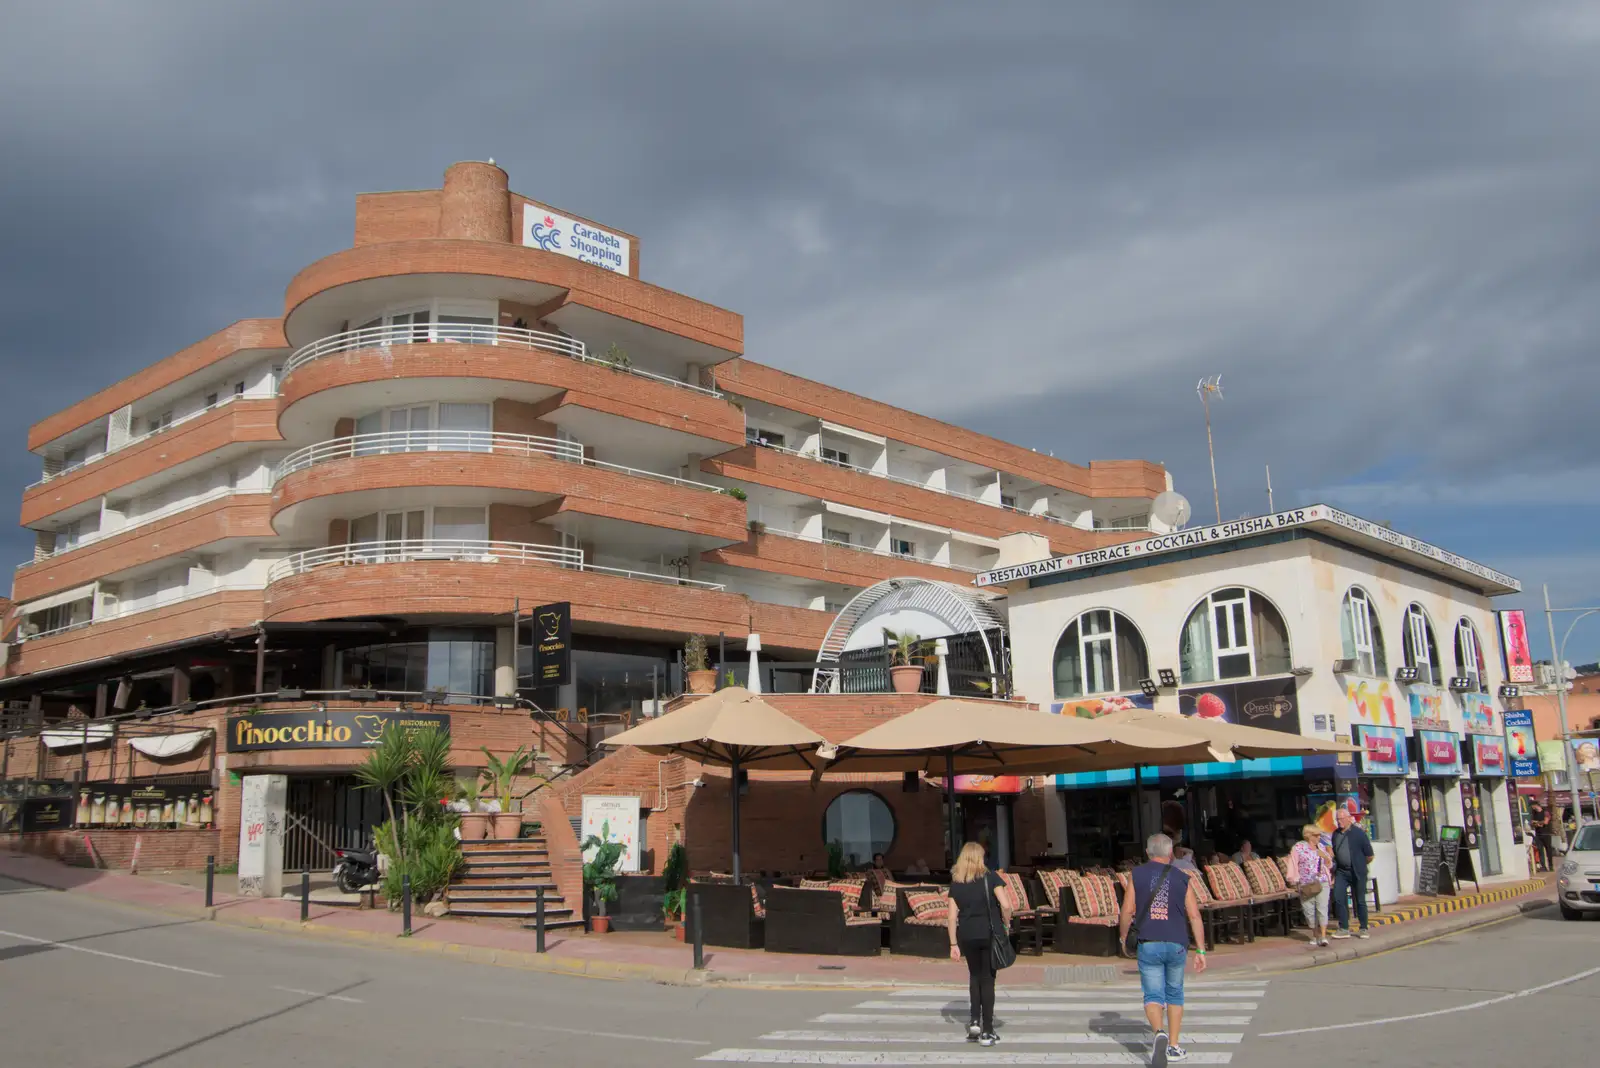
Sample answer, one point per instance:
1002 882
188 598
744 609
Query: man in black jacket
1352 851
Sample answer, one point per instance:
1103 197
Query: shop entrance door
327 812
988 820
1489 836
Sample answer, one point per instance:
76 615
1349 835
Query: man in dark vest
1167 913
1352 852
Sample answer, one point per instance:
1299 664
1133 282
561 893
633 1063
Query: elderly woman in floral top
1311 864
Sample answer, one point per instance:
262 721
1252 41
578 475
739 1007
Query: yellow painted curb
1444 906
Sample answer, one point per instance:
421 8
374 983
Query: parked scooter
355 870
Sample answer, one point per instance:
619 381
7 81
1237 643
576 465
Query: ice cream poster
1095 707
1271 703
1373 701
1478 715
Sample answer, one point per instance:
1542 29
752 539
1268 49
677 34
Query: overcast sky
1379 222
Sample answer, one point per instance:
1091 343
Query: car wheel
1570 913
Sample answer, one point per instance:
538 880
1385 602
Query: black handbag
1130 945
1001 953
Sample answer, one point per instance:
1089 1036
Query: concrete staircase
502 878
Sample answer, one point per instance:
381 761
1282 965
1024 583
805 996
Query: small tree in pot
675 896
600 874
498 776
702 679
907 655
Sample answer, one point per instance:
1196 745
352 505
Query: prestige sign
1243 528
553 232
323 730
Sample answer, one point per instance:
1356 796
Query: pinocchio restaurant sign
323 730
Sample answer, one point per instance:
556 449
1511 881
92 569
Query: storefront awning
73 737
169 745
77 593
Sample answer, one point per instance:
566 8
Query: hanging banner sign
552 645
345 729
1518 658
1522 750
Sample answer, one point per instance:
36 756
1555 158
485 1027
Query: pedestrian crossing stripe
1454 904
920 1057
1131 1005
1070 995
909 1018
1134 1034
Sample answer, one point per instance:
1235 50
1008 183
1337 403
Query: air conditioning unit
1342 666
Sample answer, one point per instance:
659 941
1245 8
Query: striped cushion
850 893
1019 892
861 921
760 909
1228 882
1202 893
1283 869
1095 894
815 884
1052 881
1094 921
1264 876
936 920
929 905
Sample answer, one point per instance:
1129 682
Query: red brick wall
242 336
785 627
825 563
397 216
186 619
239 516
474 204
158 850
593 287
242 420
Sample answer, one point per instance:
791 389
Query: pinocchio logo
311 732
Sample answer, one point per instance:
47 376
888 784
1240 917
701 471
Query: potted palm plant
600 875
675 893
907 652
702 679
474 823
498 776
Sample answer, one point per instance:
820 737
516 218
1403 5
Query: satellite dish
1171 509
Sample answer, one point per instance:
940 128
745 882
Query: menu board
145 806
1419 824
1471 814
23 804
1430 862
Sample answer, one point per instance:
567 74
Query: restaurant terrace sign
323 730
1179 540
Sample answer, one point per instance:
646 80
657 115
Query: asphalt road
91 985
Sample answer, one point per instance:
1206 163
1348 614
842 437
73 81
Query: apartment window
238 389
1469 655
76 456
901 547
1362 635
756 436
1127 522
1233 634
836 457
461 524
1100 652
158 423
1421 651
840 536
833 606
1008 500
69 535
211 400
466 328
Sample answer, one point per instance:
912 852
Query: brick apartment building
478 404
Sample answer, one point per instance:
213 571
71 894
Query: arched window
1362 634
1233 634
1100 652
861 822
1422 652
1469 655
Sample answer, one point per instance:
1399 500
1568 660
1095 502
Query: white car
1578 886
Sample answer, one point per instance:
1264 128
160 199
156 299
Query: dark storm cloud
1047 221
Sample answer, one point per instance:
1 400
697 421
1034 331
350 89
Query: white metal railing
459 551
485 441
797 536
133 608
148 434
818 457
378 337
144 520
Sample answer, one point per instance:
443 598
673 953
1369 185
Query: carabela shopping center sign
1316 514
553 232
323 730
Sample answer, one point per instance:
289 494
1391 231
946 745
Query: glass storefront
459 661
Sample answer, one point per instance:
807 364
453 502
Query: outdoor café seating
1028 920
918 927
1087 923
813 920
1269 889
733 914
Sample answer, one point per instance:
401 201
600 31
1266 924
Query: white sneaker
973 1031
988 1038
1341 934
1363 933
1177 1053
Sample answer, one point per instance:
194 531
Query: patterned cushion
1228 882
760 909
815 884
862 921
928 921
850 892
1095 895
1052 881
1019 891
1125 881
1094 921
1283 869
929 906
1264 876
1202 893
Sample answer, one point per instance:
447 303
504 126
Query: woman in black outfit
974 893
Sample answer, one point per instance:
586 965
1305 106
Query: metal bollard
405 905
699 938
305 895
211 879
538 920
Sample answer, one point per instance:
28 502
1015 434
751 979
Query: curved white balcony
382 337
485 441
458 551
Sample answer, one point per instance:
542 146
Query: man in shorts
1164 906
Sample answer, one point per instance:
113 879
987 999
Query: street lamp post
1559 653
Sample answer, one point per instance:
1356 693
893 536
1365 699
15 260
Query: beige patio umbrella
953 736
1242 742
732 727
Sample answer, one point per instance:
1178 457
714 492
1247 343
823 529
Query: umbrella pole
735 766
950 805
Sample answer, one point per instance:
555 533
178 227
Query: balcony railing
165 428
807 455
133 608
379 337
144 520
485 441
912 557
460 551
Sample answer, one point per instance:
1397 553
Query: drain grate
1060 975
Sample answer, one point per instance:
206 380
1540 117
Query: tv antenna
1206 388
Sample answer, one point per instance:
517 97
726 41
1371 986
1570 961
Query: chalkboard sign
1450 854
1430 862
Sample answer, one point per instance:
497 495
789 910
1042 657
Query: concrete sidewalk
658 957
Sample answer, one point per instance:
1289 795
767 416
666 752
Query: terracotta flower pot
505 824
474 826
704 681
907 678
600 924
